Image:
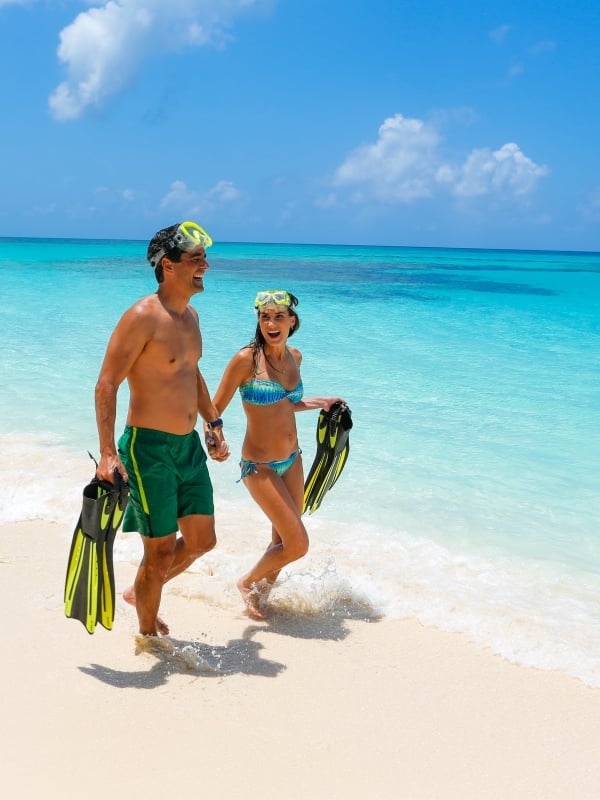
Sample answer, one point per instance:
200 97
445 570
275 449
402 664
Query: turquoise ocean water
471 496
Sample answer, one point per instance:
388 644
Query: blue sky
458 124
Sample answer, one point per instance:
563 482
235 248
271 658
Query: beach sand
300 707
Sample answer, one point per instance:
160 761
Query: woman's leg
281 500
295 486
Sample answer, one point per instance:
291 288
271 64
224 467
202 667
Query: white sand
301 707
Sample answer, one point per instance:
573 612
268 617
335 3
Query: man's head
173 241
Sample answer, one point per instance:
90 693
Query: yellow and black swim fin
106 589
333 448
90 584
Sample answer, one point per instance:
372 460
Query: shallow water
470 498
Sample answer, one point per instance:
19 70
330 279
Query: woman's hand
216 446
331 401
312 403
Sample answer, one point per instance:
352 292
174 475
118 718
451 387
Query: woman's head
273 305
279 301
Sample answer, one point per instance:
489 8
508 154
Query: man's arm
125 345
217 447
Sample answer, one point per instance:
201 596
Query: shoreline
302 706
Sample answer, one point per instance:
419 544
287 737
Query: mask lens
190 235
279 297
187 236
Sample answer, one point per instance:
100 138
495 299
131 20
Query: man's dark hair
159 242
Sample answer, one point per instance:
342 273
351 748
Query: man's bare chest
175 344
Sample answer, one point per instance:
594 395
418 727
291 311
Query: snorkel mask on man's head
184 237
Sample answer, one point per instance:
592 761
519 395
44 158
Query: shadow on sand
238 656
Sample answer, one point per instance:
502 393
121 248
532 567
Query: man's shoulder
143 311
145 306
149 301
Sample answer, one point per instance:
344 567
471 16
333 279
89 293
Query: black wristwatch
216 423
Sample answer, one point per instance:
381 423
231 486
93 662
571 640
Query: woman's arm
238 371
310 403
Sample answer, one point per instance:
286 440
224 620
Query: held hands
216 446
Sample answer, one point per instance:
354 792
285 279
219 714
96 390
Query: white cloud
505 170
188 201
224 192
514 70
547 46
178 196
405 164
104 47
499 34
326 201
398 167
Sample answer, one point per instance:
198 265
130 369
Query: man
156 347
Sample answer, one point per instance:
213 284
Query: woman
267 374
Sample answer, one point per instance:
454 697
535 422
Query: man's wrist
216 423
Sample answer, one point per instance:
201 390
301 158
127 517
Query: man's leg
151 576
197 538
163 559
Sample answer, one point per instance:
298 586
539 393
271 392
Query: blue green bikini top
264 393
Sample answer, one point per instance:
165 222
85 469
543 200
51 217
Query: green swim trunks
168 479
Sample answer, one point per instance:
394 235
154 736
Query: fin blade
333 447
86 563
106 591
81 585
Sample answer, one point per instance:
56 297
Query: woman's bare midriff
271 433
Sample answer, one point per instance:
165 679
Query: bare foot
161 625
252 597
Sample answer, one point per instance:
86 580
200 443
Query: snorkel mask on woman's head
188 236
279 297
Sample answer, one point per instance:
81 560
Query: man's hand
109 462
216 446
